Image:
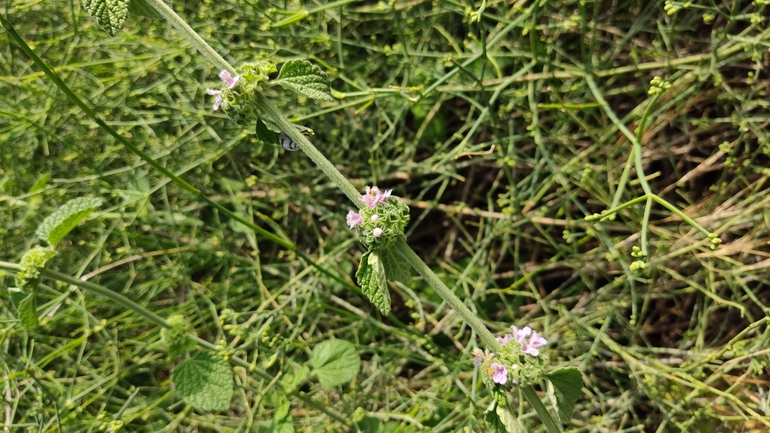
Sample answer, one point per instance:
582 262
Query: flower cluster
231 82
518 361
382 221
238 96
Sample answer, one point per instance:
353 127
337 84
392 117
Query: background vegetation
499 160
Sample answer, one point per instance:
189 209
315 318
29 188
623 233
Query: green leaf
205 381
305 78
396 267
507 421
109 14
141 8
64 219
17 295
28 311
265 134
371 278
335 362
567 383
282 417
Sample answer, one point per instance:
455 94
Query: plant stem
347 188
545 416
154 318
181 25
448 296
323 164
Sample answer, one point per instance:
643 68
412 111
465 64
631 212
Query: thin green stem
355 196
446 294
181 25
158 166
629 203
646 223
663 202
542 412
154 318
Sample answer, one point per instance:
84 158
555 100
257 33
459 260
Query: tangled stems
154 318
352 193
328 168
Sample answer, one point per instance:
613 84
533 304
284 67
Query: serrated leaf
205 381
265 134
28 311
109 14
567 383
335 362
396 267
64 219
305 78
141 8
371 278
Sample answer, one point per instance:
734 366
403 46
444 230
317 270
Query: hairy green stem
317 157
355 196
446 294
545 416
181 25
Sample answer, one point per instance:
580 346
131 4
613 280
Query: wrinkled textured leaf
567 383
371 278
141 8
306 78
396 267
205 381
64 219
335 362
28 311
109 14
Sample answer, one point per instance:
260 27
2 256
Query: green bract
239 102
176 336
32 261
391 216
523 369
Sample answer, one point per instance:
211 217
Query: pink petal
354 219
499 373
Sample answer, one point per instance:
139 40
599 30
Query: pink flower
354 219
218 99
377 232
521 334
499 373
373 196
504 339
229 79
536 340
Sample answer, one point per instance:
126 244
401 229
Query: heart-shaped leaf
335 362
205 381
567 383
